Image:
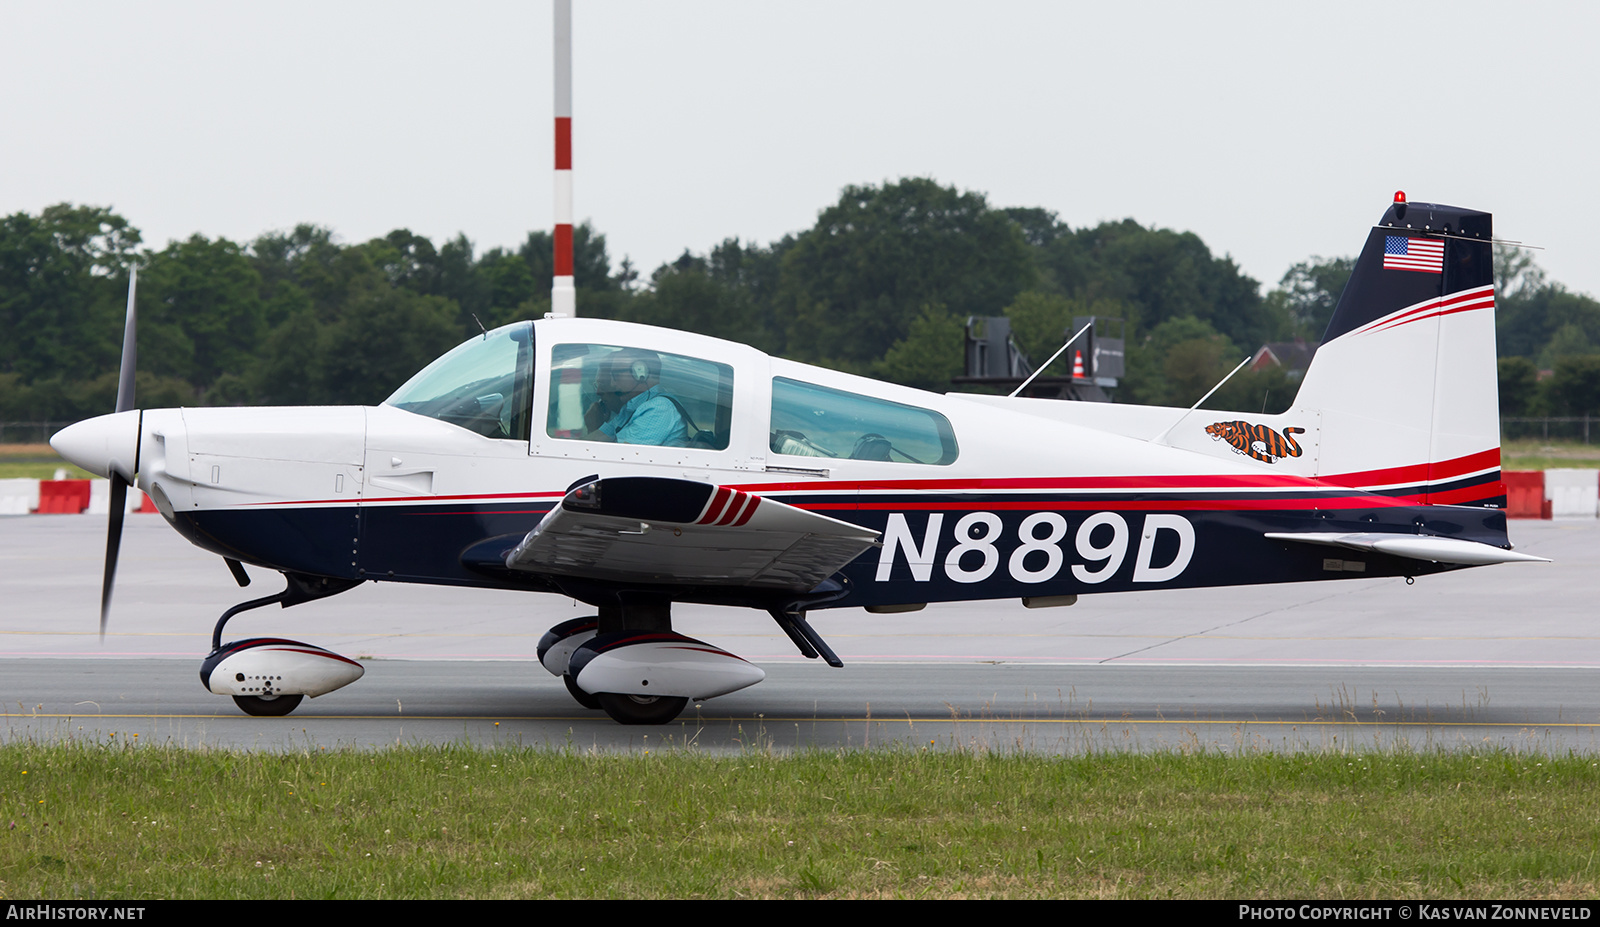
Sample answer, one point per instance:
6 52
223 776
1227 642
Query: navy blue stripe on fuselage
429 543
935 556
1489 481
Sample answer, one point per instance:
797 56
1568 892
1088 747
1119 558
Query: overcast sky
1275 131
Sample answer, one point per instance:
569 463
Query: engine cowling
270 666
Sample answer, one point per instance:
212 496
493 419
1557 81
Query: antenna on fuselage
1161 438
1052 359
563 294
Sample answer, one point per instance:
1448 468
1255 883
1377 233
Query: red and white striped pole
563 295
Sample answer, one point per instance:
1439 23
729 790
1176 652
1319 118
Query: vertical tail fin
1405 382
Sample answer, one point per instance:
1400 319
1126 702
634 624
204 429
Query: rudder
1405 381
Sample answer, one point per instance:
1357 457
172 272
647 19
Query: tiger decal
1257 441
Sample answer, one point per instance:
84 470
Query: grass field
1531 454
35 461
114 820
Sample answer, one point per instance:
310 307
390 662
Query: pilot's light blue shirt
648 418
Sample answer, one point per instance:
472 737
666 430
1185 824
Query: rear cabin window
627 395
815 421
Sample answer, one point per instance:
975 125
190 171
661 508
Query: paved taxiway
1505 656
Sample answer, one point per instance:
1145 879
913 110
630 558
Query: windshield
482 385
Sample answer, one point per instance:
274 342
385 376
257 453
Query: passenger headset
701 438
640 371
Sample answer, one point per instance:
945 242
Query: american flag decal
1425 255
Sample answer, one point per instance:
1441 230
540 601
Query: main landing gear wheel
642 709
578 695
267 706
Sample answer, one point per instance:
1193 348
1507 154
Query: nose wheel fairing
268 676
269 667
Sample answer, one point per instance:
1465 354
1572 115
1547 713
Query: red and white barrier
1556 493
64 497
1525 494
1572 493
19 497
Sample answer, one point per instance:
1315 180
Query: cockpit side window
484 385
631 395
816 421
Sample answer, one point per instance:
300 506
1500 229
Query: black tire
642 709
578 695
275 707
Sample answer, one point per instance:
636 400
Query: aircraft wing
654 530
1413 546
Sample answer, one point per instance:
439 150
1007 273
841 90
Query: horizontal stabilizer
1413 546
685 532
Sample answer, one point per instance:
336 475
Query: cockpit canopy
482 385
626 387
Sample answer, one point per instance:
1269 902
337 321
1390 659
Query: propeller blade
119 510
130 350
119 485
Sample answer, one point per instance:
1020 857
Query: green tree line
1549 341
880 284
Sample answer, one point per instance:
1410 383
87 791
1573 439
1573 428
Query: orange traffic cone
1077 365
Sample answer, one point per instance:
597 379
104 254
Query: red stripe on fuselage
1121 505
1232 490
414 499
1435 472
1364 479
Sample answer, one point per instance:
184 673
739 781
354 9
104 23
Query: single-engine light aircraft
632 467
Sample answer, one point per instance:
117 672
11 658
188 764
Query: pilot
631 408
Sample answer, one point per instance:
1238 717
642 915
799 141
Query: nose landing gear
268 677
